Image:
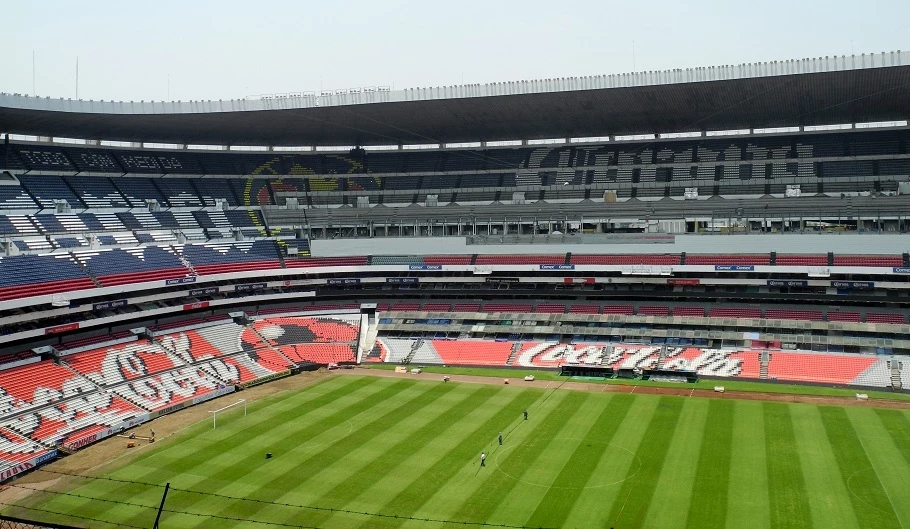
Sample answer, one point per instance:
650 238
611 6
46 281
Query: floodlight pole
161 507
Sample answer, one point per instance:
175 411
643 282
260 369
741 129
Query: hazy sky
226 49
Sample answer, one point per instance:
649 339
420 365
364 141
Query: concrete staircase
662 357
516 347
896 383
764 358
415 345
607 352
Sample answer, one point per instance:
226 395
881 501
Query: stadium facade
743 221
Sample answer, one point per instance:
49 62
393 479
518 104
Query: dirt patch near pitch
682 391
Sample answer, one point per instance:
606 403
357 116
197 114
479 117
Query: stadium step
183 260
662 357
86 270
607 353
516 349
764 358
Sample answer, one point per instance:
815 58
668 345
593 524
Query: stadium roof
804 92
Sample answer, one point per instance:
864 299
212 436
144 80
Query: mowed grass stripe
495 487
897 424
829 499
635 497
235 468
245 477
390 461
708 504
177 469
293 471
264 415
592 508
410 499
262 421
747 489
671 506
540 474
312 485
868 498
788 498
886 462
559 500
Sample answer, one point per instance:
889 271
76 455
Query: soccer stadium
655 299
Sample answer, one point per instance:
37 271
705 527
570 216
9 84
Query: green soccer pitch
377 452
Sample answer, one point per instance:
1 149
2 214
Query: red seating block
519 259
584 309
728 259
626 310
801 260
850 317
43 289
653 311
880 261
626 259
884 317
436 307
550 309
697 312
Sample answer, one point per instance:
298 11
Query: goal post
229 406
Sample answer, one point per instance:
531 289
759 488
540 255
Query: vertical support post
161 507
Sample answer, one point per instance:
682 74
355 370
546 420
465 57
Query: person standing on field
483 459
526 414
500 438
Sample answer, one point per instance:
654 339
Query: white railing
383 94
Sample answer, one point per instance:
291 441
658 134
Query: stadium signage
734 268
402 280
557 267
683 282
16 469
901 269
109 304
424 267
46 457
62 328
853 284
204 291
180 280
83 441
267 378
348 281
194 306
213 394
787 283
579 280
502 280
169 409
249 287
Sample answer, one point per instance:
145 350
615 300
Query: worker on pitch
483 459
500 438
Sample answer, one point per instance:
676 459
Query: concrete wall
781 243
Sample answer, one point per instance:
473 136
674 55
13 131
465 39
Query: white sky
226 49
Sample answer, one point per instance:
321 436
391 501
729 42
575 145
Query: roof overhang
741 97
